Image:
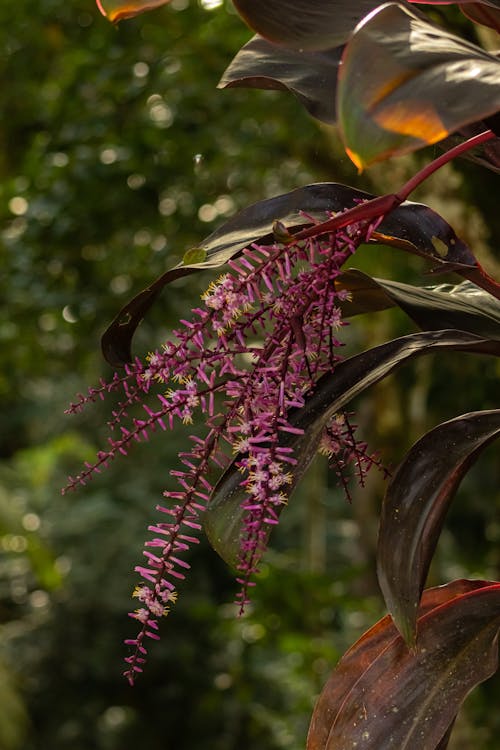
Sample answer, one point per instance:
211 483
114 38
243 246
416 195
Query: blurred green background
116 155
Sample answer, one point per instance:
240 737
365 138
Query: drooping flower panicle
264 334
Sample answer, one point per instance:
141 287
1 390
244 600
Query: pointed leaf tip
415 506
118 10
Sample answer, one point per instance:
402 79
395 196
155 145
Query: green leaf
223 519
462 306
412 227
310 76
119 10
406 83
311 25
415 505
381 695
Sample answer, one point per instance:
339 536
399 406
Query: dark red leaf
461 306
311 25
487 154
406 83
363 653
119 10
224 516
310 76
412 227
384 696
487 14
415 506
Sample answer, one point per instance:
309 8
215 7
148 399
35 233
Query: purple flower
265 333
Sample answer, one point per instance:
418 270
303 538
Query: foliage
86 238
258 359
322 383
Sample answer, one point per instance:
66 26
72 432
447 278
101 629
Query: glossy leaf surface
119 10
310 76
381 695
224 517
462 306
415 506
413 227
311 25
406 83
363 653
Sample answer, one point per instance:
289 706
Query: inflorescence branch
253 351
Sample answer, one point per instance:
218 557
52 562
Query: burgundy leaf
310 76
487 154
223 518
119 10
311 25
463 306
405 83
487 14
363 653
413 227
415 506
384 696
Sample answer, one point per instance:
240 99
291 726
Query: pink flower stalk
265 333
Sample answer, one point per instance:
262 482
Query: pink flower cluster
264 334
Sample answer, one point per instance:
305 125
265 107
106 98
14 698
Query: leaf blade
463 306
223 519
410 227
362 653
457 649
419 84
487 14
415 504
120 10
310 76
311 25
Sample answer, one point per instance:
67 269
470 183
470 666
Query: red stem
370 209
378 207
429 169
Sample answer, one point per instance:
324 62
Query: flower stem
429 169
381 205
378 207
